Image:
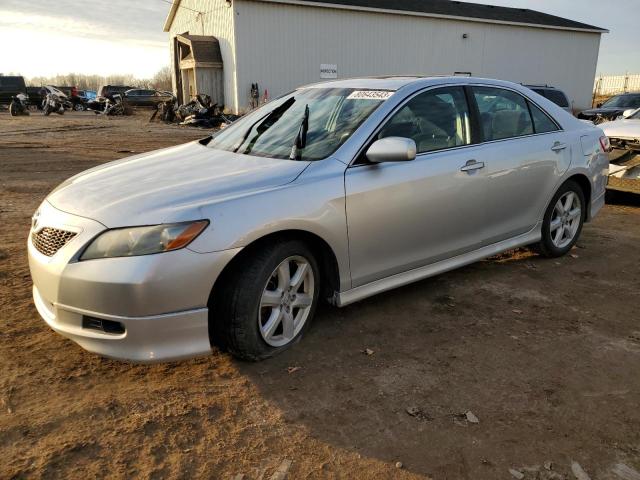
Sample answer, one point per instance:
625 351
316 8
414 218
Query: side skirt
347 297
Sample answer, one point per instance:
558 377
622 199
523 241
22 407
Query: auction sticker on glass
370 95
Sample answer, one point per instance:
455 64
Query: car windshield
630 101
308 124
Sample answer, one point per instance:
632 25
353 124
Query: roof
369 83
394 83
440 9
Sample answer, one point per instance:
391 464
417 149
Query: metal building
222 47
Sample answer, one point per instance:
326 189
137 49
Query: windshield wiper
265 122
301 138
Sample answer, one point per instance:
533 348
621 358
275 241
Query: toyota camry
334 192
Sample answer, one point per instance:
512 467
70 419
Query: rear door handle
557 147
472 165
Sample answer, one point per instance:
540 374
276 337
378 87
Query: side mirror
392 149
598 105
628 113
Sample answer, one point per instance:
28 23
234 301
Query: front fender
313 203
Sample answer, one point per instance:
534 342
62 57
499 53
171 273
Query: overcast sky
121 36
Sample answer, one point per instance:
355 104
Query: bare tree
160 81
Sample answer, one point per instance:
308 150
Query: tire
250 301
554 243
46 111
79 107
13 110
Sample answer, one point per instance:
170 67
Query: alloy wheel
565 219
286 301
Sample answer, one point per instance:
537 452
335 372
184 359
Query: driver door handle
557 147
472 165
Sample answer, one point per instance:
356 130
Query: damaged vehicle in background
624 137
336 191
55 101
612 108
19 105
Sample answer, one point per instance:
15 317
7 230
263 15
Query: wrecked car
612 108
624 137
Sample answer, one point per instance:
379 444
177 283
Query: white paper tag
370 95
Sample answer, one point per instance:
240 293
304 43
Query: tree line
160 81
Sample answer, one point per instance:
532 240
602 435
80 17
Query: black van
11 86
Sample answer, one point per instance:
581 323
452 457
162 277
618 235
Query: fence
613 84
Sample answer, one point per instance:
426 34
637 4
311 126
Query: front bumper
159 301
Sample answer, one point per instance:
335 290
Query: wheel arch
585 184
326 257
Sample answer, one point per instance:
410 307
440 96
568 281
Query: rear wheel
563 221
267 301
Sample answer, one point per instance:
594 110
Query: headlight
128 242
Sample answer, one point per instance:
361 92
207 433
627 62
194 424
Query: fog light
106 326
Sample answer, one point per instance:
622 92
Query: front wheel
267 301
79 107
563 221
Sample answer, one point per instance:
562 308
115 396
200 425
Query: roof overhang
171 15
204 51
430 15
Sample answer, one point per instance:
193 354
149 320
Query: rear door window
542 123
503 113
435 120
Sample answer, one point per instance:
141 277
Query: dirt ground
545 353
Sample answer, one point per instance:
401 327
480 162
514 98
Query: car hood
168 185
629 128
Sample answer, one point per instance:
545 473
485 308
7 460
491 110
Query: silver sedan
336 191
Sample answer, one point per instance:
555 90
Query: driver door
405 215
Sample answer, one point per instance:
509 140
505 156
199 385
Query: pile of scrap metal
199 112
109 105
624 158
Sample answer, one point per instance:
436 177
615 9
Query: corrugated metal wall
282 46
217 20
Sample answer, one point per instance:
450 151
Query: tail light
605 144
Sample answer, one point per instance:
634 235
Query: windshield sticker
370 95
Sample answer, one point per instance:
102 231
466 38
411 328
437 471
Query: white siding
282 46
217 21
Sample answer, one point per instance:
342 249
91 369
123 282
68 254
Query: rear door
405 215
524 152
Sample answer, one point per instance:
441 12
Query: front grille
49 240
